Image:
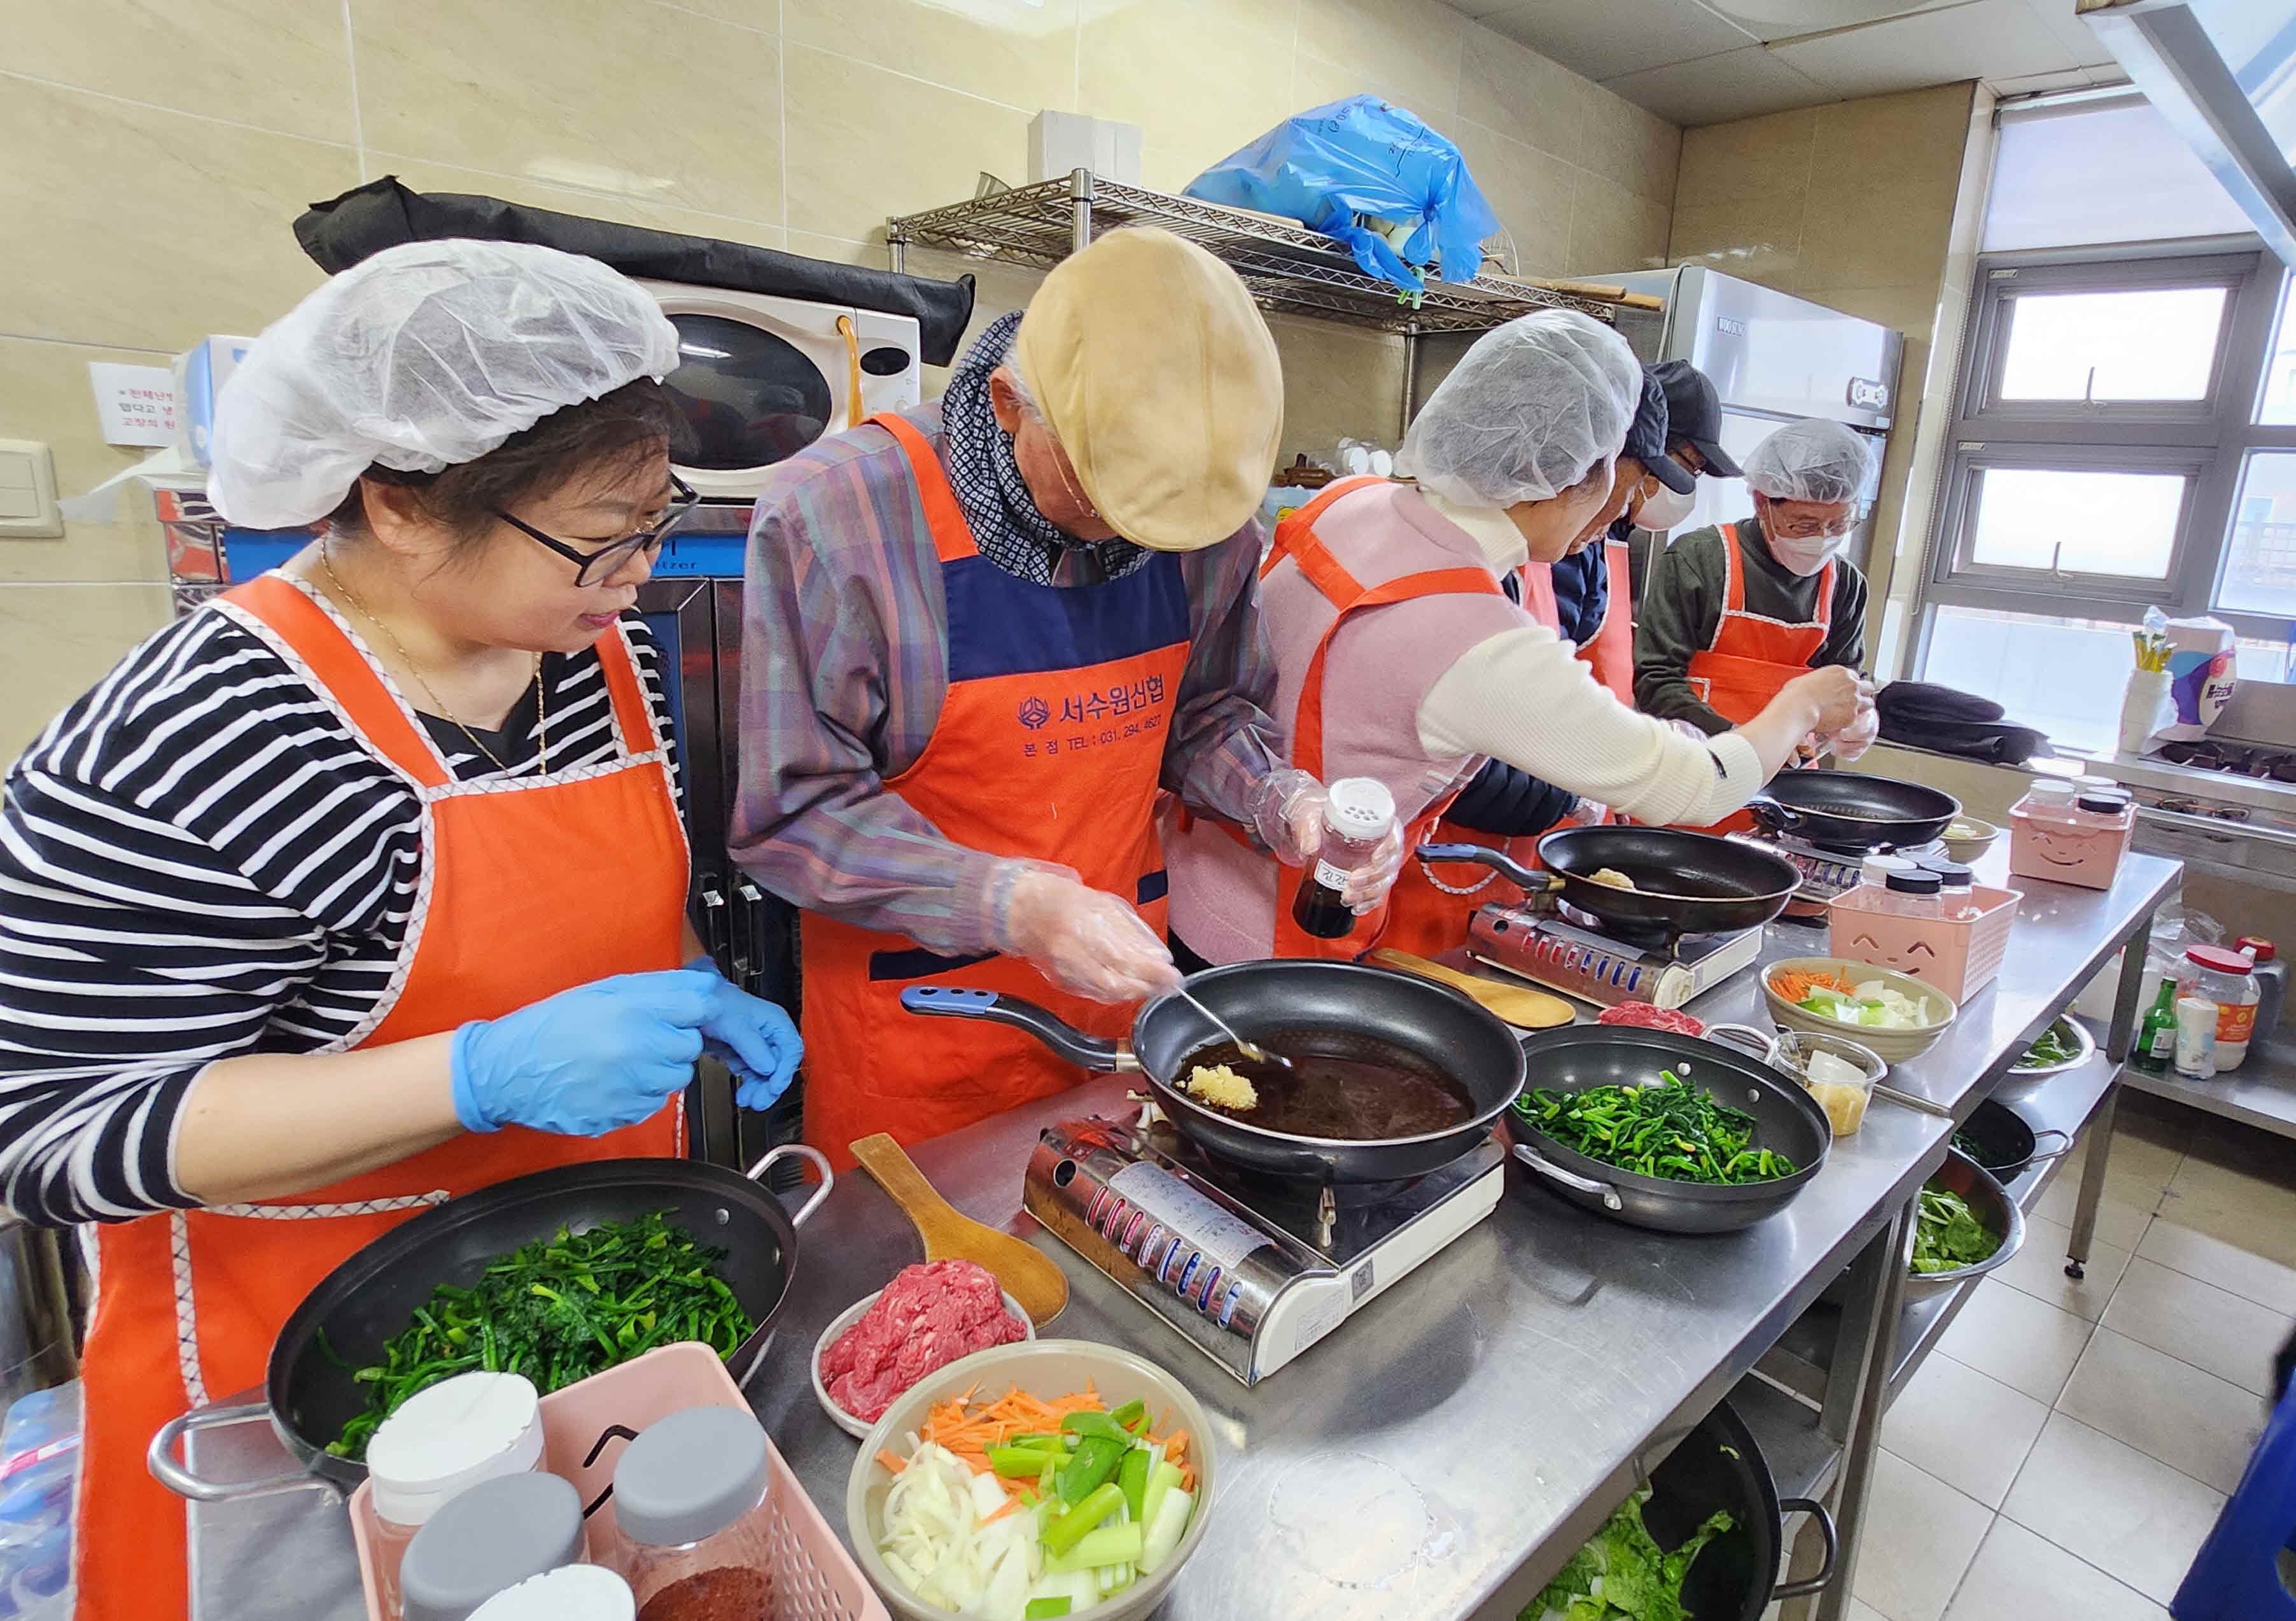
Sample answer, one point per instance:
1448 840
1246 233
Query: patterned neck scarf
1006 525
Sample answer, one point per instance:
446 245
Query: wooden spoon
1020 1269
1519 1005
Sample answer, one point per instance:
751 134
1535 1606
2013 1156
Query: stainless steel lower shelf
1803 1356
2261 1092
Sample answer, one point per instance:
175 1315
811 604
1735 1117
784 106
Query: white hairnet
424 356
1525 413
1810 460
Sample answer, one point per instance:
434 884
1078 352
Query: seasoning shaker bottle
442 1441
2271 982
1914 893
1873 873
2050 798
693 1521
492 1537
571 1593
1957 894
1357 816
2196 1038
2228 979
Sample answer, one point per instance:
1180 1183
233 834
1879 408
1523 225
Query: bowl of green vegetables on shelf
1967 1225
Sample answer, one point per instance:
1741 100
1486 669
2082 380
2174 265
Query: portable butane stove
1827 873
1574 956
1251 1269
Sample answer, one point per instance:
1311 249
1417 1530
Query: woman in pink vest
1400 658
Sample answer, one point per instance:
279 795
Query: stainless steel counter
1444 1449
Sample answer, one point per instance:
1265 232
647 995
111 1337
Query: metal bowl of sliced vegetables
2062 1045
1895 1015
1054 1477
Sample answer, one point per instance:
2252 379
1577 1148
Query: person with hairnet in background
1400 658
980 640
363 886
1733 613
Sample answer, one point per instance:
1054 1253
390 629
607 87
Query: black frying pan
1786 1120
1684 882
1400 1013
1850 811
1719 1465
309 1397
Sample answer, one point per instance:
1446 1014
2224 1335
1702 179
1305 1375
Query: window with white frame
2124 435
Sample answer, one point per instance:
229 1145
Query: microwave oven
760 377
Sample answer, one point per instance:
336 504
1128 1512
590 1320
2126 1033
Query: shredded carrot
1010 1503
1187 1479
1794 986
895 1465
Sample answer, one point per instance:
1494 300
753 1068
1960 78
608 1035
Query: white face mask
1661 511
1803 556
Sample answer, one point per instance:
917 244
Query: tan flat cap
1156 373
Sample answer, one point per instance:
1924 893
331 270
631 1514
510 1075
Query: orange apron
1049 745
1400 921
508 911
1751 658
1610 651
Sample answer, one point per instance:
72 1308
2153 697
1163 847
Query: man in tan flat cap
981 638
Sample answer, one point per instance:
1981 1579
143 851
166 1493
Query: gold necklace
541 695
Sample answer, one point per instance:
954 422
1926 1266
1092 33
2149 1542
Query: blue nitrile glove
751 1037
586 1061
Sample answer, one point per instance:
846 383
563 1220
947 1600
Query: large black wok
309 1396
1850 811
1684 882
1433 1024
1719 1465
1786 1120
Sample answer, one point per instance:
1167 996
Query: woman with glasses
1732 613
363 886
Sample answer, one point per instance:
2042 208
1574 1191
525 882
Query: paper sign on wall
135 404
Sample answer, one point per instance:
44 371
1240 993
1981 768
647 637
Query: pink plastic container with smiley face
1958 956
2069 846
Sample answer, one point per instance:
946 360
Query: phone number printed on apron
1143 698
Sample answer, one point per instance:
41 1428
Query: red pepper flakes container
694 1532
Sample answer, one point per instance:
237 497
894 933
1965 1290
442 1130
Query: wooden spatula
1519 1005
1020 1269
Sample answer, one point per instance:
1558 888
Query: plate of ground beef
926 1317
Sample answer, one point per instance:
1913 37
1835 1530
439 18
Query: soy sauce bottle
1356 818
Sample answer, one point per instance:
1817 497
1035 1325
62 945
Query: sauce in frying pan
1351 1088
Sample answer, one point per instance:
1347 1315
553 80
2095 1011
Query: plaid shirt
844 668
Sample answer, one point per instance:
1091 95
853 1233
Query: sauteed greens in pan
557 1309
1668 1129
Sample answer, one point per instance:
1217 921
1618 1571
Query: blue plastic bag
1364 157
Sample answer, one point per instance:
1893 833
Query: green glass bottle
2155 1047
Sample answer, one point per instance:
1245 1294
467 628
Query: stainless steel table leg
1870 1339
2092 1183
2127 998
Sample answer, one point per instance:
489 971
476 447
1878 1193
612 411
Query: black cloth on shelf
340 232
1944 720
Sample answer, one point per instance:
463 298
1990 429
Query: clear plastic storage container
2218 974
441 1442
693 1527
492 1537
571 1593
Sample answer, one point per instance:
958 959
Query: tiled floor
2067 1446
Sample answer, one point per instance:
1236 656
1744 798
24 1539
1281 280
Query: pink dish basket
2088 854
1959 956
583 1429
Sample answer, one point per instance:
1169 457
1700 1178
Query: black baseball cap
1646 438
1693 412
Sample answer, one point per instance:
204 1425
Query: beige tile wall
157 154
1852 205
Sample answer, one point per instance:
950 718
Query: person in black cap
1651 488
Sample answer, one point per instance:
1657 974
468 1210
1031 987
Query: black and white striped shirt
197 860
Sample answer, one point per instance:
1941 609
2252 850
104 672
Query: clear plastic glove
1859 737
752 1038
1287 812
586 1061
1086 940
1589 813
1368 885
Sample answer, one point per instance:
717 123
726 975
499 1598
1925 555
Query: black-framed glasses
608 558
